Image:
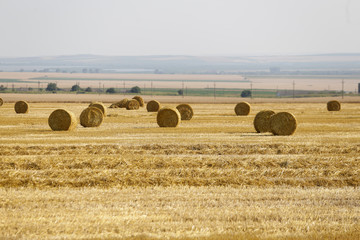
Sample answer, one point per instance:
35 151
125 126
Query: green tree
246 93
51 87
88 89
75 88
135 89
180 92
110 90
2 88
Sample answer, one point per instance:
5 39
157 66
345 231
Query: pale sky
178 27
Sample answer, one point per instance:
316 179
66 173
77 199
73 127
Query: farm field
145 81
213 177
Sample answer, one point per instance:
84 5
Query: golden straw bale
1 102
91 117
62 120
113 106
168 117
21 107
262 121
242 109
283 123
153 106
122 103
100 106
140 100
186 111
132 104
333 105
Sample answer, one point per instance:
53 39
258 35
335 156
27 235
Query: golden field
213 177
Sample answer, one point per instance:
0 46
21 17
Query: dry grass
180 212
211 178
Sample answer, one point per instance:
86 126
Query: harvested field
212 177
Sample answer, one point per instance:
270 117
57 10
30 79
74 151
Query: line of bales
281 123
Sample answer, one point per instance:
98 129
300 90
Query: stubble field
212 177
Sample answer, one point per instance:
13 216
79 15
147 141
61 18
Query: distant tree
84 70
75 88
30 89
110 90
2 88
180 92
88 89
51 87
135 89
246 93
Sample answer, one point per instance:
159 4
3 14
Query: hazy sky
178 27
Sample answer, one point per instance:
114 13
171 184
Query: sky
178 27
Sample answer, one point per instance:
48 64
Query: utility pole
151 88
251 90
124 88
214 91
183 89
99 87
293 89
342 89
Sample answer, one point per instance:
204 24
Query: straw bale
132 104
153 106
1 102
62 120
91 117
113 105
283 123
168 117
333 105
100 106
242 109
140 100
186 111
262 121
120 104
21 107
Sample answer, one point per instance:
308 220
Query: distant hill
185 64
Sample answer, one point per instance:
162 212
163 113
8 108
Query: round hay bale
242 109
153 106
333 105
122 103
186 111
21 107
100 106
132 104
91 117
283 123
1 102
140 100
168 117
262 121
62 120
113 106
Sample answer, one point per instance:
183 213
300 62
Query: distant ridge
184 63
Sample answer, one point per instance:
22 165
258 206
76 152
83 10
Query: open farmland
211 177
